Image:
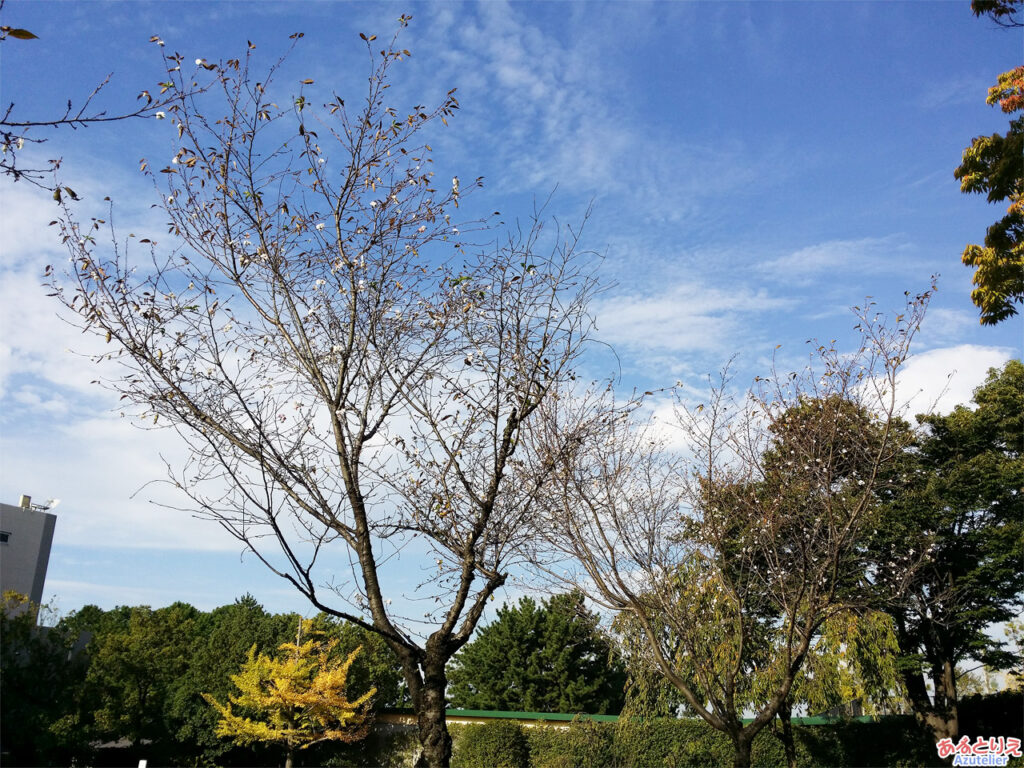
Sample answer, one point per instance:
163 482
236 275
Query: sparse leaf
19 34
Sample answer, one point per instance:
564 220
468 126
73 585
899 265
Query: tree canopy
539 657
958 508
994 166
725 564
350 371
42 677
138 674
134 667
294 699
1002 12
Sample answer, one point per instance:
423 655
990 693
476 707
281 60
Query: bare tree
349 382
724 560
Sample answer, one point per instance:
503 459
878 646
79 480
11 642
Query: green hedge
663 742
498 744
672 743
583 743
994 714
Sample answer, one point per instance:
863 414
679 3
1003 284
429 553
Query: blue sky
755 169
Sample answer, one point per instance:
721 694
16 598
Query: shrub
498 744
997 714
891 741
390 748
670 743
584 744
691 743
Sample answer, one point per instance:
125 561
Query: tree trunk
741 751
938 713
949 693
435 743
288 758
944 718
785 717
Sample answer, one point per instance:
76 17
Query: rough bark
788 742
741 750
947 689
425 675
939 713
435 743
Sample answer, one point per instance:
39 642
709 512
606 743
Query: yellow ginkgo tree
295 699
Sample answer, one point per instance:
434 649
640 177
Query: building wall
25 539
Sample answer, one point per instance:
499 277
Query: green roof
500 715
493 714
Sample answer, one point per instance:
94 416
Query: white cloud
36 342
96 465
35 338
24 221
868 254
62 437
40 399
687 317
546 99
941 379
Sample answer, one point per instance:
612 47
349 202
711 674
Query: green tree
547 657
40 688
295 700
994 166
135 660
852 655
376 665
92 621
224 637
982 680
1015 634
148 671
852 659
959 510
851 662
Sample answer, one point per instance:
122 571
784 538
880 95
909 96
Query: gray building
26 533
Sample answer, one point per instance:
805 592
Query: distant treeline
112 687
101 681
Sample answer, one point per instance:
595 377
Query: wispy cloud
944 327
539 104
953 92
688 317
103 468
867 254
35 338
61 431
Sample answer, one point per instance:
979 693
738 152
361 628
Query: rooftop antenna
25 502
